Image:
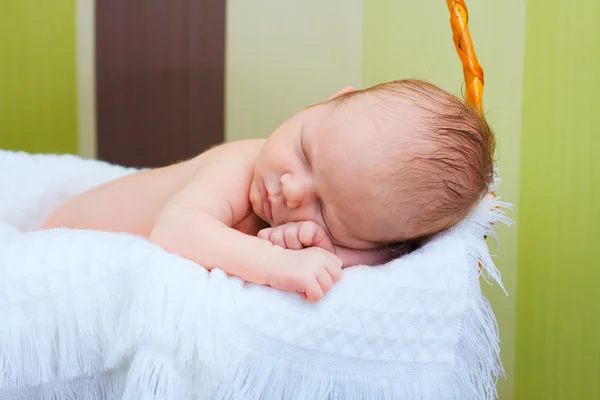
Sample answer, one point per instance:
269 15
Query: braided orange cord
473 73
459 20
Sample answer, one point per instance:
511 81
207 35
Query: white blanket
95 315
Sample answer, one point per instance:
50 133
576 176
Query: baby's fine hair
450 164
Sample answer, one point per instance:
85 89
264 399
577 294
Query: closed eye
322 211
304 148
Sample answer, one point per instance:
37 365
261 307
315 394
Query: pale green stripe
38 111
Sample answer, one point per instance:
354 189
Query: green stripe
558 325
38 111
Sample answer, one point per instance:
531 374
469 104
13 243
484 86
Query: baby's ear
346 90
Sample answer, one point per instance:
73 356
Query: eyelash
303 149
319 202
321 210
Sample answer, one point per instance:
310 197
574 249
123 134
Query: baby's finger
290 236
306 233
325 280
264 233
277 238
333 258
313 235
335 271
313 290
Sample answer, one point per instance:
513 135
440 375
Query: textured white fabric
99 315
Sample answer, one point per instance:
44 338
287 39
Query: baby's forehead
361 151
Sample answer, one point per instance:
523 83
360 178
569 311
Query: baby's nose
296 190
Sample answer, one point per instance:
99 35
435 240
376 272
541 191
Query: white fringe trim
106 385
253 371
153 375
170 347
478 359
58 338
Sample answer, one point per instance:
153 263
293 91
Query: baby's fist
297 235
311 271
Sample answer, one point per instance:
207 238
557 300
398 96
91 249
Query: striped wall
540 60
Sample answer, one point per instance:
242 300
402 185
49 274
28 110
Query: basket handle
473 73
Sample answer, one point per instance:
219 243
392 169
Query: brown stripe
160 79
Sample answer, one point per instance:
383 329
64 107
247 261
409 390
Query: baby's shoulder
242 146
242 151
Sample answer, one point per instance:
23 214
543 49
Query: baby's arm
299 235
190 209
197 224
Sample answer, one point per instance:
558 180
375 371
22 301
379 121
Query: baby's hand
311 271
298 235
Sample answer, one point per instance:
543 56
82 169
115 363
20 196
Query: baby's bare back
131 204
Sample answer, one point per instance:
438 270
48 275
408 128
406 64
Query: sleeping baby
340 183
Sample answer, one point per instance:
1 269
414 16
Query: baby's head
393 163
